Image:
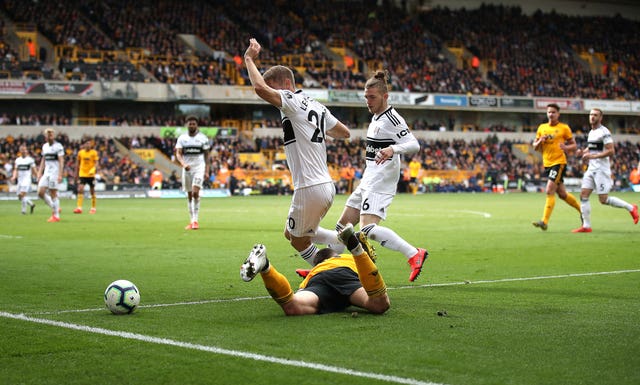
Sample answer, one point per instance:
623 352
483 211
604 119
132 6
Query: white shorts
597 180
193 177
24 186
369 202
308 206
48 181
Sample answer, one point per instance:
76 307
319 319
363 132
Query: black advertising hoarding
516 103
483 101
80 89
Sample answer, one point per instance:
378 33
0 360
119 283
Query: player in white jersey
388 138
305 122
192 152
23 171
598 175
50 173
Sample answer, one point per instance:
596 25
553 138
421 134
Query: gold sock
93 201
548 208
277 285
80 200
573 202
369 276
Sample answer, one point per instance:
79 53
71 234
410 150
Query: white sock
190 206
389 239
196 209
617 202
585 208
328 237
23 201
309 253
48 201
56 207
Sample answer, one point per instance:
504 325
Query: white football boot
255 262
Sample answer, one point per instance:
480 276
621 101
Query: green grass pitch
522 306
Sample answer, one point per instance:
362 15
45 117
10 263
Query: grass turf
548 328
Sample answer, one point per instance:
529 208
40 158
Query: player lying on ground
335 282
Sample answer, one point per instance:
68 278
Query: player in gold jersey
333 284
554 140
86 168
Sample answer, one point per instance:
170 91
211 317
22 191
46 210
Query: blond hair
278 74
379 81
48 130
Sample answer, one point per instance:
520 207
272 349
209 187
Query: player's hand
384 154
187 168
253 50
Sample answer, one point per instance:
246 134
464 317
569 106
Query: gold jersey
344 260
87 161
551 152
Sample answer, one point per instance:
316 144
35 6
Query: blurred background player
23 171
598 153
333 284
50 173
86 169
554 139
192 152
305 123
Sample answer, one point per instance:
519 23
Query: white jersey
25 166
193 149
597 139
51 153
386 129
304 122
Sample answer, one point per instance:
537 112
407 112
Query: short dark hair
554 105
323 254
190 118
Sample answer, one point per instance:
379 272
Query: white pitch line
204 302
481 213
570 275
6 236
217 350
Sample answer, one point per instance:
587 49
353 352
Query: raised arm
263 90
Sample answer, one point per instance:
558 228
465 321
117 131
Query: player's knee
293 308
299 243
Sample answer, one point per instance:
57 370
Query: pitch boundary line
217 350
445 284
502 280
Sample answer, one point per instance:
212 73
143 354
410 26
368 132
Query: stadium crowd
493 162
516 54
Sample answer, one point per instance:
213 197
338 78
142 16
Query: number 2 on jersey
317 120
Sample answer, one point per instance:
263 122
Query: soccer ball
121 297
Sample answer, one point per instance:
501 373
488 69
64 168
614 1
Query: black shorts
334 287
556 173
87 180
